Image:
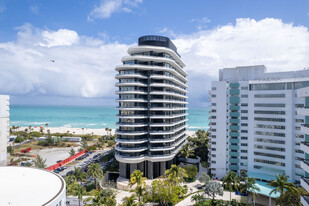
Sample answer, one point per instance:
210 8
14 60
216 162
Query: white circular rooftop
30 186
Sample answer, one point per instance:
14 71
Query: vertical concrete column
133 167
150 170
162 168
122 169
140 166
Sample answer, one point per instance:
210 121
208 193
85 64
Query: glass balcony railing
234 92
234 100
234 107
234 154
232 160
234 121
234 114
234 140
234 127
233 167
234 147
234 85
234 134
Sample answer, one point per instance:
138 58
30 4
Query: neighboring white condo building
31 186
254 125
4 127
304 146
152 99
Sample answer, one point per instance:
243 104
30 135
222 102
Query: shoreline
80 131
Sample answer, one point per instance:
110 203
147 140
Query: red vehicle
27 150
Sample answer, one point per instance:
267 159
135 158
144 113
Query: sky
65 52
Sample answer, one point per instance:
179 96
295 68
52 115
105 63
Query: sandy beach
80 131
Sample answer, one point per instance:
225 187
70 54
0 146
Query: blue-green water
85 116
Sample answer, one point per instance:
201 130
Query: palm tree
196 198
250 187
10 149
79 174
230 181
39 162
96 172
84 144
78 191
129 201
72 152
106 129
186 152
99 198
175 174
138 179
282 185
83 130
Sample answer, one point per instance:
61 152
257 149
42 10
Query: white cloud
34 9
84 66
62 37
107 7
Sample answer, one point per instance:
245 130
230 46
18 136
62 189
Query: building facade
254 125
152 99
4 127
304 146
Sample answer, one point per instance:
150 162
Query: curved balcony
129 149
127 84
135 75
153 132
131 92
155 59
164 148
152 140
168 101
168 108
165 85
156 76
132 108
131 141
131 100
138 49
167 116
167 124
150 67
124 124
130 159
131 116
130 132
168 94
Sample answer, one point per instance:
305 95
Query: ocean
86 117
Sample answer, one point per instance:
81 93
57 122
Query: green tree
95 171
231 181
197 198
282 185
79 174
10 149
137 178
200 145
72 152
204 178
78 191
101 197
140 181
129 201
191 172
83 144
213 188
249 187
166 193
39 162
292 198
176 174
186 151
